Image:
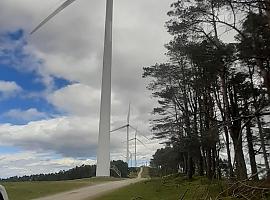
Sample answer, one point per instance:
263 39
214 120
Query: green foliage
84 171
78 172
122 167
169 188
177 186
134 171
254 44
166 160
211 87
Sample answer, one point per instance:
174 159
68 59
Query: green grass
30 190
164 189
150 190
172 187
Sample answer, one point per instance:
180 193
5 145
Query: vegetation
173 187
148 190
213 105
133 172
29 190
146 172
122 167
213 94
84 171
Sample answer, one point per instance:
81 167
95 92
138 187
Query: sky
50 81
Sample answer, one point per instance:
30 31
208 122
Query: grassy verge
165 189
176 187
30 190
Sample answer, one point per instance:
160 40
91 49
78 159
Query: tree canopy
213 94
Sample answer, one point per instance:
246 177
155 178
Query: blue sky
50 81
12 69
29 83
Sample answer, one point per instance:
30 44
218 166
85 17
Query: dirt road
92 191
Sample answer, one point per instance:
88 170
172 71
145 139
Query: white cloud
76 99
68 136
29 162
80 100
9 88
71 47
25 115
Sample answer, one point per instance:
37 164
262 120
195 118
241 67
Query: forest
78 172
213 92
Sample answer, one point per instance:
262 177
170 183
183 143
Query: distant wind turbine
103 153
135 151
128 126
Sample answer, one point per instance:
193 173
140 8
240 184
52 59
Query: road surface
93 191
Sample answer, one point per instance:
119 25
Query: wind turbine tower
128 118
103 152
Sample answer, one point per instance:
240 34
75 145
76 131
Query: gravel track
94 190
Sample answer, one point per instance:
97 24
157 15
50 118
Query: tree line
78 172
213 93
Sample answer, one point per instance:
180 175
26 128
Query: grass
165 189
172 187
150 190
35 189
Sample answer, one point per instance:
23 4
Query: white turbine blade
129 140
59 9
132 139
139 132
142 143
117 129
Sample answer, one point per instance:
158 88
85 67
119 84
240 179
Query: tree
210 88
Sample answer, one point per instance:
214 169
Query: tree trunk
227 143
261 134
227 139
241 170
185 167
214 163
201 171
249 137
209 171
251 153
234 130
190 166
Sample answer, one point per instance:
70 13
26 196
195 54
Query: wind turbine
128 153
103 152
135 140
125 126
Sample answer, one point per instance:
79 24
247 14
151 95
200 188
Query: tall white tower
103 152
128 153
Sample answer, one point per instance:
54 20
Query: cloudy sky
50 82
